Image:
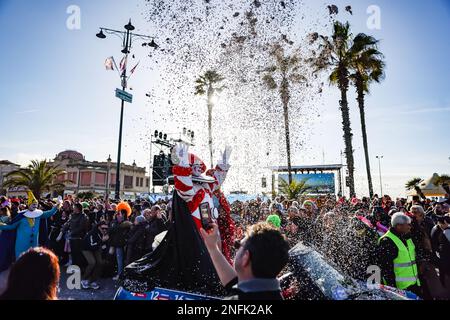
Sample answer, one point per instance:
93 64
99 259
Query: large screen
319 183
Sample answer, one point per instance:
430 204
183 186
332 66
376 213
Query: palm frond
38 176
412 183
295 189
442 179
209 79
270 82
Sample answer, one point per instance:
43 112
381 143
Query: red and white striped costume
193 192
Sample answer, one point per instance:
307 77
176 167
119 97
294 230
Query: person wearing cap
274 220
397 255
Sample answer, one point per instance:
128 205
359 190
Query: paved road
107 290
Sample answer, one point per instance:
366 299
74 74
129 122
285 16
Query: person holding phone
260 257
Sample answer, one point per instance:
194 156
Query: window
128 182
73 176
100 179
137 182
142 182
85 178
112 180
147 182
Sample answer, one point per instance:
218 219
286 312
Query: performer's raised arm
50 213
4 226
221 170
182 172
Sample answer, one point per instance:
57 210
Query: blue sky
56 94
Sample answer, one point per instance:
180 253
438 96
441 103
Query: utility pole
379 170
127 40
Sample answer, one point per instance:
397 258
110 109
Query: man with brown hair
262 255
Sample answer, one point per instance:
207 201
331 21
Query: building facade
100 177
5 168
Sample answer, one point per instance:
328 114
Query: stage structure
161 163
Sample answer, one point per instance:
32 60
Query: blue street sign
125 96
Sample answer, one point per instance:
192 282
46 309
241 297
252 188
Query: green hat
85 205
274 220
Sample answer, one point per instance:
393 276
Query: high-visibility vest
405 267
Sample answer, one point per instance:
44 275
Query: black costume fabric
181 262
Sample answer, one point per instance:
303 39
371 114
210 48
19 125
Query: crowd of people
357 233
408 240
100 237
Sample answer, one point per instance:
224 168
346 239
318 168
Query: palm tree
207 84
286 69
368 67
38 177
412 183
295 189
338 55
444 181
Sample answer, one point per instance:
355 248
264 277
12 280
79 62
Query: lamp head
129 26
101 35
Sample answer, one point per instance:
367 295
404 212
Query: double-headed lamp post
127 38
379 170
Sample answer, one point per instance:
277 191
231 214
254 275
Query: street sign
125 96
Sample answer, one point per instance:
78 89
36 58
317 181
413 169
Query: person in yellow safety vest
397 256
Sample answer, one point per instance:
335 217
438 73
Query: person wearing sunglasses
92 251
260 257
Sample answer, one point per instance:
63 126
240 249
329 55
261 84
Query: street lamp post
127 41
379 170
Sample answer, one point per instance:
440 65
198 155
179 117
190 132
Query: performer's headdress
31 198
194 160
34 213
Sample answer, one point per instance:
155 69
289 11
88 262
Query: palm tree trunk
285 99
210 107
364 134
343 86
37 193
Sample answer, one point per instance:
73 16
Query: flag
134 69
123 63
109 63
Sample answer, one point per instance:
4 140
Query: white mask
196 170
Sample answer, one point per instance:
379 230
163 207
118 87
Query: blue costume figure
23 232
